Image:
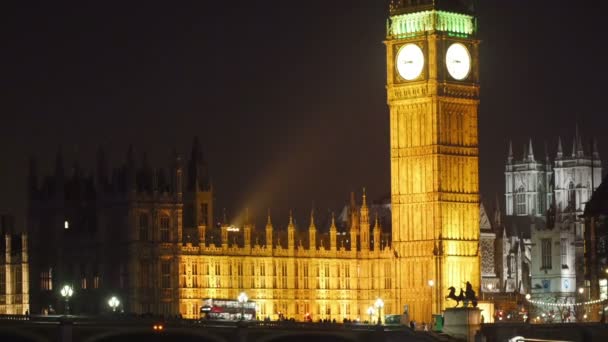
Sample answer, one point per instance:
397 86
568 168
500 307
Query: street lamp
66 293
113 303
242 300
527 307
370 312
379 305
431 283
581 290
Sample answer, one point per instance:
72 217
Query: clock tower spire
433 97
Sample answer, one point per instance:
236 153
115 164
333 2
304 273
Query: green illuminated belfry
410 6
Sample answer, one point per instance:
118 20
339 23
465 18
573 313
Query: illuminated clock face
410 61
458 61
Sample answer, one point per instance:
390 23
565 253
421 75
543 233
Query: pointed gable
485 224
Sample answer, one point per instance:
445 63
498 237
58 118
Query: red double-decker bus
227 309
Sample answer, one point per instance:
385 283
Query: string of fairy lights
589 302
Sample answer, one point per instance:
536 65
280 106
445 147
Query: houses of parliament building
148 235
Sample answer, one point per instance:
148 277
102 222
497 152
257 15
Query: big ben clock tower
433 95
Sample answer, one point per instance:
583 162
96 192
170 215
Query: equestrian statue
466 296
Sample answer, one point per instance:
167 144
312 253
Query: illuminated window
284 276
166 275
66 224
305 276
2 282
46 279
143 227
239 268
96 281
96 277
520 201
18 280
83 276
387 276
347 276
164 229
545 254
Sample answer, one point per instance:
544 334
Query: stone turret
269 233
333 233
312 232
291 232
364 224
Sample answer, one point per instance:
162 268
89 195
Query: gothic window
545 251
46 279
284 275
18 280
2 282
520 201
540 199
164 228
239 268
143 227
83 276
387 276
306 276
166 275
347 276
564 248
571 196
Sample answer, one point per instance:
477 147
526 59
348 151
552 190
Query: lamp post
431 283
379 305
528 313
113 303
66 293
370 312
242 300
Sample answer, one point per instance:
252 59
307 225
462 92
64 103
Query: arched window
520 201
571 196
164 228
541 200
143 227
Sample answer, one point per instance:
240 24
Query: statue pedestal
462 323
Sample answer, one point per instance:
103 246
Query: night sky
288 97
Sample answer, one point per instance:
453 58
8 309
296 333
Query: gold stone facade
434 160
326 276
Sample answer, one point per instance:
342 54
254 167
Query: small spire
580 151
560 150
290 217
376 221
530 151
510 156
269 222
364 198
312 219
546 152
595 151
333 221
574 143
